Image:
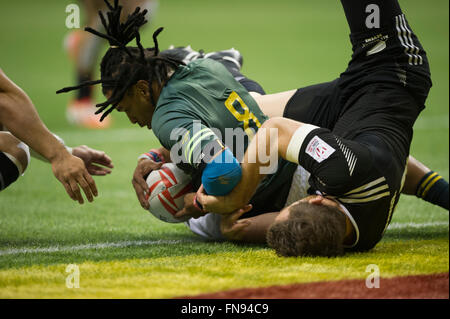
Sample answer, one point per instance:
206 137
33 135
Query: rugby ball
166 190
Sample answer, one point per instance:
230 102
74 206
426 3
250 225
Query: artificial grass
286 45
165 277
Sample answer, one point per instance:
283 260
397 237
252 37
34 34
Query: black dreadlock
123 66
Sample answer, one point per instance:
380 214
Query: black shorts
385 110
9 172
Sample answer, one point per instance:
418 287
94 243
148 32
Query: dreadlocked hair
122 66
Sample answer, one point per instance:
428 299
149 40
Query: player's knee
17 151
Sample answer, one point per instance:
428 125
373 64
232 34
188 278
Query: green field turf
121 250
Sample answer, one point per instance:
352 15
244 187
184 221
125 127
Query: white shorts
207 226
299 186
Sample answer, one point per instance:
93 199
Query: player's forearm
166 154
257 230
254 232
71 150
270 143
19 116
242 192
251 172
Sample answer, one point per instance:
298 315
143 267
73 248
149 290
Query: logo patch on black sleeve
319 149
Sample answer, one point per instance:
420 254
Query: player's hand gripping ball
166 190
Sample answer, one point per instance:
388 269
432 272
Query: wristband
153 155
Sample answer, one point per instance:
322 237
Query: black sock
250 85
86 91
433 189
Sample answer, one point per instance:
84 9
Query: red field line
435 286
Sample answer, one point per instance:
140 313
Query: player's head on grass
305 229
131 77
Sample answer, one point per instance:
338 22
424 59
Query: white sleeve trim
297 139
355 226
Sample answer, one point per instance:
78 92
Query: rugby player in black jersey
355 145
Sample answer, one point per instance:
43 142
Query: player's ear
143 89
316 200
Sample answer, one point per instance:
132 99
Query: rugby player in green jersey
192 109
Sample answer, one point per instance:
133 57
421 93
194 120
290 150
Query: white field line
414 225
123 244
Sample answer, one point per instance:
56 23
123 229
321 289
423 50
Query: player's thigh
311 104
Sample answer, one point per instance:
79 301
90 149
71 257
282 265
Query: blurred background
286 44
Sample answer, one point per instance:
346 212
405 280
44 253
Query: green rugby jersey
202 102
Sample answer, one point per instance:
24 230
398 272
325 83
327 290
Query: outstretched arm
19 116
252 166
96 162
